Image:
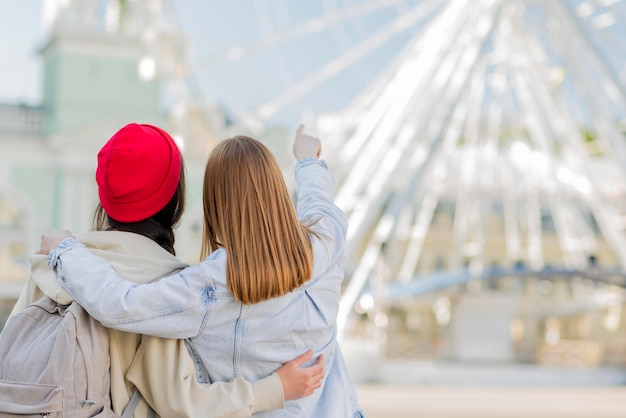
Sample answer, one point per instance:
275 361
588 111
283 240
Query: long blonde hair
248 212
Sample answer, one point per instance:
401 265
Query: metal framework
494 107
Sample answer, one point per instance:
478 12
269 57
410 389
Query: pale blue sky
20 34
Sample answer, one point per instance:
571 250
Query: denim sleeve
315 204
173 307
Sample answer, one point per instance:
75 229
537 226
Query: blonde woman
267 290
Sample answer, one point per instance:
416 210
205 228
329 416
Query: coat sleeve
316 196
163 372
127 306
316 207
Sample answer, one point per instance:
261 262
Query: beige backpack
54 362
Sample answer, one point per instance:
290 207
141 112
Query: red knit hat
138 172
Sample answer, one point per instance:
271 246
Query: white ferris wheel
472 108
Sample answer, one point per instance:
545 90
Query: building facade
93 84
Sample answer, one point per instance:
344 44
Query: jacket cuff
45 280
268 393
64 246
309 161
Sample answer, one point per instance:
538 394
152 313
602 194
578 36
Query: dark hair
158 227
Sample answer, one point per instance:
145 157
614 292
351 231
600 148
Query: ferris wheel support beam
490 174
354 114
599 107
460 63
360 111
607 220
514 37
408 93
428 203
514 182
574 233
489 11
393 106
388 222
467 164
401 88
371 256
531 195
611 84
418 234
511 226
538 132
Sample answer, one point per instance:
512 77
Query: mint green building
93 84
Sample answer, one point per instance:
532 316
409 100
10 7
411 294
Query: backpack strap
84 339
132 405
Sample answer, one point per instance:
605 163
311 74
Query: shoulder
213 267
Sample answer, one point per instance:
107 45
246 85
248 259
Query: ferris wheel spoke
576 237
538 131
603 27
574 30
433 94
307 28
339 64
586 83
584 240
411 86
417 167
467 163
427 199
359 109
411 256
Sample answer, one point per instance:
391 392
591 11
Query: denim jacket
160 368
227 338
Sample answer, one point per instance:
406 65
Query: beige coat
160 368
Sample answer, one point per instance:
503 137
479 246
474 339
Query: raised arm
316 193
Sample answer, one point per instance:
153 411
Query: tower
91 79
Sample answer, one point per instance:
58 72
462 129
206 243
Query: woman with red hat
141 186
268 288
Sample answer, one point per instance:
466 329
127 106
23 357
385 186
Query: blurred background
479 150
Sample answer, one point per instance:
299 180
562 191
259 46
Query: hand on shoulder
52 238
